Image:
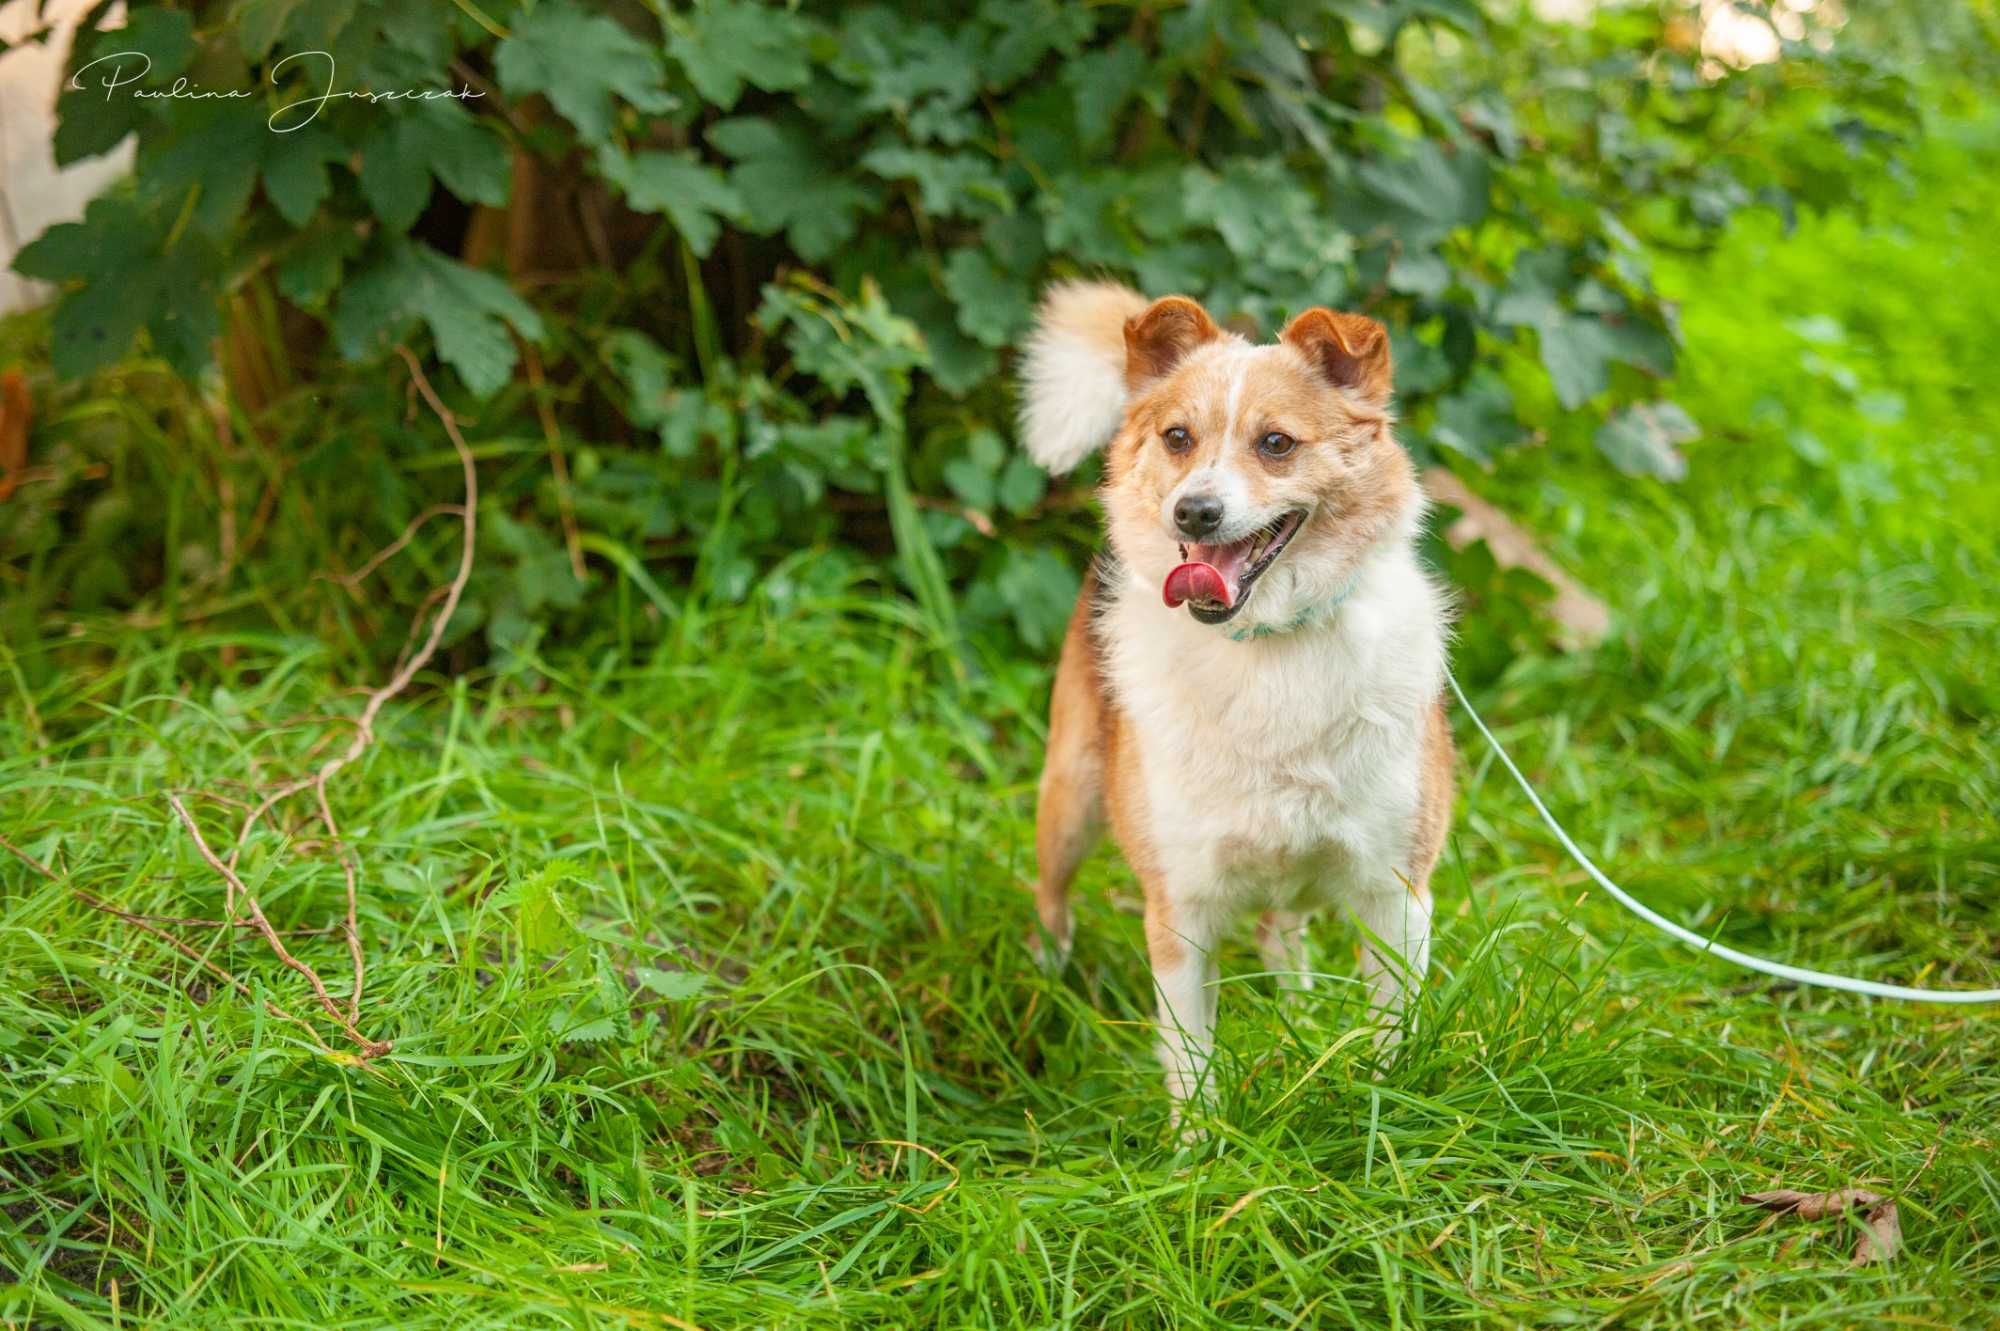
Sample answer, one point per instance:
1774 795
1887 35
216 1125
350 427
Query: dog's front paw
1050 951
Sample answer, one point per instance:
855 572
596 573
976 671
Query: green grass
673 948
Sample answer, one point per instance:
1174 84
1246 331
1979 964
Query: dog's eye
1276 445
1178 440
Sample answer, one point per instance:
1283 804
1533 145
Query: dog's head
1248 482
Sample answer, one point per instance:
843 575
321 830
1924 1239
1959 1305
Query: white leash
1693 939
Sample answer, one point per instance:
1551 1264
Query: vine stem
238 894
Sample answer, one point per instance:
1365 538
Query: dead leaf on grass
1883 1235
1582 618
1811 1205
1882 1228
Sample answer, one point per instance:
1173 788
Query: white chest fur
1282 771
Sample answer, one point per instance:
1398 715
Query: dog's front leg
1395 923
1181 942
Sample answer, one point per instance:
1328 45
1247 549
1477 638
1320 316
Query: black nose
1198 515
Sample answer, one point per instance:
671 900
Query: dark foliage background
720 281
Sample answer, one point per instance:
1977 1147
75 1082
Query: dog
1250 691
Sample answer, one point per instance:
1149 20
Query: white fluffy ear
1073 375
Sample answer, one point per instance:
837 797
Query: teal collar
1312 614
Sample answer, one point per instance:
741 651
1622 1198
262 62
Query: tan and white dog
1250 691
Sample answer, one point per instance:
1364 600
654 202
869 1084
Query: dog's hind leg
1069 811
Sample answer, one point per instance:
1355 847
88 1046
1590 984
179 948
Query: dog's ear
1350 350
1160 337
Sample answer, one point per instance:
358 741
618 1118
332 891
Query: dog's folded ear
1160 337
1350 350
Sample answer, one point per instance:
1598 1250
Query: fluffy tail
1073 376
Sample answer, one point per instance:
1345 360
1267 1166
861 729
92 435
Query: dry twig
352 581
369 1048
558 461
1582 618
145 925
408 663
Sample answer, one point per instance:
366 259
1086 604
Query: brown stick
1583 619
369 1048
250 821
139 922
364 734
27 859
364 730
408 664
558 462
352 581
145 925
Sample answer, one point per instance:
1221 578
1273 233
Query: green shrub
716 282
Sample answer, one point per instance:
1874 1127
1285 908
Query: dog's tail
1073 376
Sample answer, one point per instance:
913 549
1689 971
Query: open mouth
1214 581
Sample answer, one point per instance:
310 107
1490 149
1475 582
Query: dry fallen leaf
1882 1228
1811 1205
1582 618
1882 1236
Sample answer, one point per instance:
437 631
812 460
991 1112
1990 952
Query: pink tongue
1197 582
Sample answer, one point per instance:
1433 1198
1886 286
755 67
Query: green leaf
1420 273
259 24
439 139
724 44
785 180
1266 217
692 194
466 310
646 371
1087 219
166 36
1644 439
584 1025
544 916
670 984
973 486
1102 82
1040 589
295 175
948 184
96 107
126 279
846 343
1636 342
1022 485
1028 30
209 156
95 326
1425 192
682 417
1421 366
954 361
1478 420
898 64
580 61
111 235
993 307
311 271
1577 353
